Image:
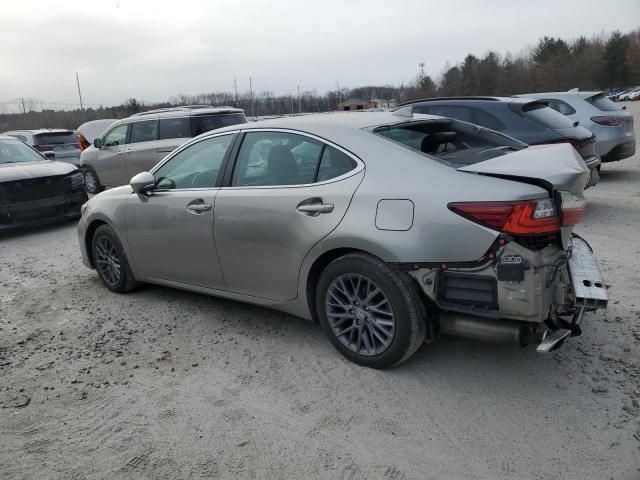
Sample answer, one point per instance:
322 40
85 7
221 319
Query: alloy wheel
360 314
107 260
90 181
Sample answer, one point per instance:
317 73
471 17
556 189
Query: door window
334 163
276 158
143 131
117 136
175 128
197 166
487 120
460 113
562 107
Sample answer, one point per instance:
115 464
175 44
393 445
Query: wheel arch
88 238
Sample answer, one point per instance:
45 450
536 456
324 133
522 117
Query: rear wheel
111 262
91 180
370 313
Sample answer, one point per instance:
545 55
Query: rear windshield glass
453 143
545 116
601 102
205 123
14 151
60 138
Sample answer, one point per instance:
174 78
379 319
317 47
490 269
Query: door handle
199 207
315 209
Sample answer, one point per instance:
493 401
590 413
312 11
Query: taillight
83 143
572 208
536 217
608 121
42 148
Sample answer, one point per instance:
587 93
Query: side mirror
624 108
142 183
50 155
97 143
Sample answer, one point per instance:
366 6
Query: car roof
183 111
42 130
465 99
580 94
326 121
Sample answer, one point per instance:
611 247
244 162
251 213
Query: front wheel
111 262
91 180
371 314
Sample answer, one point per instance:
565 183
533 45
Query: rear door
172 132
141 150
109 163
287 191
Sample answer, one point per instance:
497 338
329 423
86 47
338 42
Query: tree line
552 64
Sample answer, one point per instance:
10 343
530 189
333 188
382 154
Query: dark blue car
530 121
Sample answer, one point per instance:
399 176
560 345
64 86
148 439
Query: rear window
453 143
205 123
57 138
601 102
546 116
175 128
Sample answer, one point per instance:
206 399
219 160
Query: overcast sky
153 50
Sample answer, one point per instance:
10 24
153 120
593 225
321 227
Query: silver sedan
387 229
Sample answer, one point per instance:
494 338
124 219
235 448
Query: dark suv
527 120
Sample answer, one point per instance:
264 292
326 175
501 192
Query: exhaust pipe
488 329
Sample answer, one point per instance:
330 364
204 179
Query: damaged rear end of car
536 280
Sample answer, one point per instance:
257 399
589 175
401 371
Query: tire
91 180
111 262
397 303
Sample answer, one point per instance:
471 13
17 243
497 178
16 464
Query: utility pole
339 95
24 110
235 86
79 93
299 107
251 95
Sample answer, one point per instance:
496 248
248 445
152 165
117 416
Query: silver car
612 126
387 229
137 143
63 143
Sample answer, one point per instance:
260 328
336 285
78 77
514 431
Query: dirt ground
166 384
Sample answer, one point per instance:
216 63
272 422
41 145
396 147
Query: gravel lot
166 384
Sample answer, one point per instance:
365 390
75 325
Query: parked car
628 95
35 190
612 126
63 142
453 229
89 131
529 121
137 143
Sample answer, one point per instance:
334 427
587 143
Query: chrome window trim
360 166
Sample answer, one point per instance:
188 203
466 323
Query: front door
170 233
110 157
288 191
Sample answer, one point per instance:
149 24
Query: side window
487 120
560 106
276 158
143 131
197 166
459 113
421 109
116 136
334 163
175 128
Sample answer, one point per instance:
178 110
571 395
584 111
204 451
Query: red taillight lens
536 217
609 121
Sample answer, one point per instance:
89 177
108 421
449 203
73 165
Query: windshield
452 142
57 138
546 116
601 102
14 151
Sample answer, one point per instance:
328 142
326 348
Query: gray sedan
387 229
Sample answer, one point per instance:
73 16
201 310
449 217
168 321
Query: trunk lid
554 167
557 168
